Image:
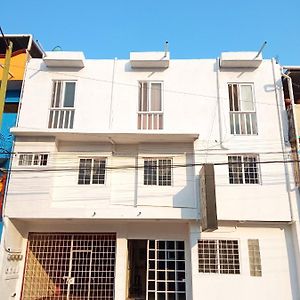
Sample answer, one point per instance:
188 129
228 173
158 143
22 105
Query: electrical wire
135 85
41 169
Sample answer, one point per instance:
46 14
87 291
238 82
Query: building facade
23 49
151 178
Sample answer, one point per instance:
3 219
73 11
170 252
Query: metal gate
166 270
64 266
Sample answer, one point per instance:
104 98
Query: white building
104 191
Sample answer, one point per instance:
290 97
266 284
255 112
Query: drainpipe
291 95
295 230
290 85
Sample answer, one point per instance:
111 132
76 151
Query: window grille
62 105
243 169
65 266
166 270
91 171
150 114
254 257
219 256
33 159
158 172
242 109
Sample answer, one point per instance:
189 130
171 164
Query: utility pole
4 78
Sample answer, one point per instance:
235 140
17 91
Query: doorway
137 269
69 266
156 270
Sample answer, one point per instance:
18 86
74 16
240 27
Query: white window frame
217 255
239 85
92 171
242 114
30 158
62 93
61 116
157 159
243 155
149 100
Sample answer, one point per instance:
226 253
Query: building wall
278 265
279 272
195 101
191 104
17 65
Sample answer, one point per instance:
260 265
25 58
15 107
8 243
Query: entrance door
79 279
166 270
156 270
137 269
69 266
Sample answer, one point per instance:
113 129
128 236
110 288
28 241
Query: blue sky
194 29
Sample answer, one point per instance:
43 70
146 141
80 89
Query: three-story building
151 178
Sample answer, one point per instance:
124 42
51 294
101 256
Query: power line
128 167
137 85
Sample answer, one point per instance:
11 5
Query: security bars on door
69 266
166 270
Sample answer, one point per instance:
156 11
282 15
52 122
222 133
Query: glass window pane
246 98
11 108
56 94
156 97
150 172
144 99
98 171
235 98
164 172
44 159
85 169
69 94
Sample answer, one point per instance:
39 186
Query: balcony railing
150 120
243 123
61 118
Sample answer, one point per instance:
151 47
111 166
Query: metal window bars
219 256
66 266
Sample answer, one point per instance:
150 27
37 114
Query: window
11 107
219 256
62 104
242 109
243 169
157 171
91 171
254 257
33 159
150 115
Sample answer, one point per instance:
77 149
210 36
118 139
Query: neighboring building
24 48
104 199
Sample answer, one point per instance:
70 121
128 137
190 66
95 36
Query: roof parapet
64 59
240 59
150 59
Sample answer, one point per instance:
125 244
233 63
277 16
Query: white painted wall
278 280
191 104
